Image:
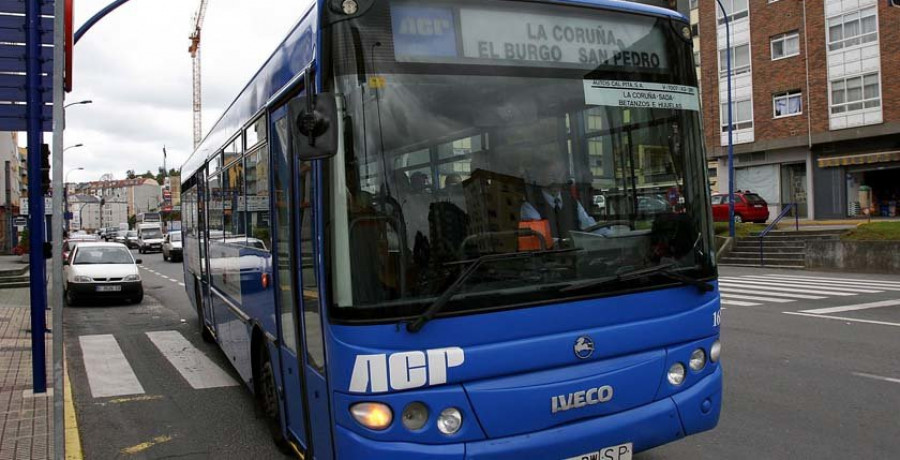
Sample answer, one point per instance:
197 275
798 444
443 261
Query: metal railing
784 213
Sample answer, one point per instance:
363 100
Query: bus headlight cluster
715 350
676 374
372 415
698 360
450 420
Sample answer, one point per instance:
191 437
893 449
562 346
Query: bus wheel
268 402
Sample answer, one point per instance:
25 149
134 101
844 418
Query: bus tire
267 398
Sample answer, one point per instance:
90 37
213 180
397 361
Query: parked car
149 239
120 236
96 270
748 207
171 248
73 240
131 239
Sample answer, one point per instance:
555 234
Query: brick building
815 117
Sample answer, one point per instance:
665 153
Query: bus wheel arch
265 387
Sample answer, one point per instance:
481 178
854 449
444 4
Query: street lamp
730 123
88 101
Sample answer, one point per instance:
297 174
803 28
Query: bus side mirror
316 124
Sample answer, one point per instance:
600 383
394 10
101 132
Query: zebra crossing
110 374
754 290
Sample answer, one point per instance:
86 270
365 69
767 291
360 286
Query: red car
748 207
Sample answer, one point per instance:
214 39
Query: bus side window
312 317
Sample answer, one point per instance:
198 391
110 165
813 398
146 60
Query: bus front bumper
688 412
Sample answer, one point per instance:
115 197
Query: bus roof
298 49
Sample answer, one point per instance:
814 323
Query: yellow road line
73 440
145 445
134 399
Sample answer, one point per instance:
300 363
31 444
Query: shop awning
860 159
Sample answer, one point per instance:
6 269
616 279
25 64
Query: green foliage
742 230
877 231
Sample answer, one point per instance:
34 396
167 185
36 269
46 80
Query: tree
130 174
132 221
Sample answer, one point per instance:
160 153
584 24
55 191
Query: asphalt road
800 381
170 418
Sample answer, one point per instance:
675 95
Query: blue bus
464 229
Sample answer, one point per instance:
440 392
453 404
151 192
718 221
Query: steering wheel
611 223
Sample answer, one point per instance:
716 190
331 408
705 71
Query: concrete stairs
781 249
14 277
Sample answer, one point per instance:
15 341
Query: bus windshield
569 135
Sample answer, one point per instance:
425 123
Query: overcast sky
135 66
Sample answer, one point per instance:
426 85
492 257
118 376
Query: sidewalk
11 263
26 423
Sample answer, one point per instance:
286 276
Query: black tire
738 219
267 398
70 298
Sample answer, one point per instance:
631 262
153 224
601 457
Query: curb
73 439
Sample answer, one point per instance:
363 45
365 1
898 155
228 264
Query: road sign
13 63
48 206
20 221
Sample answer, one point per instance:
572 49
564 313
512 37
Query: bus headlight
676 374
698 360
715 350
372 415
414 416
450 420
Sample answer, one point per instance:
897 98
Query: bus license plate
620 452
109 288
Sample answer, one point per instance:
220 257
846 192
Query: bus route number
717 318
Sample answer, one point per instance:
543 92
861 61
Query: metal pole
59 59
38 265
7 222
97 17
730 123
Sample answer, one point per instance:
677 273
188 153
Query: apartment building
137 195
10 187
815 119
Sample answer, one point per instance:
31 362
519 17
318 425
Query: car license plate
109 288
620 452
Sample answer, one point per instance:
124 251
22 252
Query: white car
100 271
149 240
171 247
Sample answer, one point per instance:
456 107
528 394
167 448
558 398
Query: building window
736 9
740 60
697 58
785 45
788 104
855 93
742 115
852 29
694 4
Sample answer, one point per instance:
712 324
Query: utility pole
7 224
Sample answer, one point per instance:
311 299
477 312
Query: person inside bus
550 198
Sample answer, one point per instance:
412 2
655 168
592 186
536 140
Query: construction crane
194 49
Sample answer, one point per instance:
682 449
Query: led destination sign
476 36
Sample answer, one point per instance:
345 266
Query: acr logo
581 398
409 369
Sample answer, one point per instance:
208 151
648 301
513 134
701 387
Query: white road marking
805 285
173 280
181 284
842 318
876 377
738 303
750 297
861 306
199 371
828 284
781 288
870 282
108 372
769 293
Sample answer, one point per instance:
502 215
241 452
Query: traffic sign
20 221
13 65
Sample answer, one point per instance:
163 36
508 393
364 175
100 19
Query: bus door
203 302
285 257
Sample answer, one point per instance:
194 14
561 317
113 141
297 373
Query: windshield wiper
662 269
436 306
